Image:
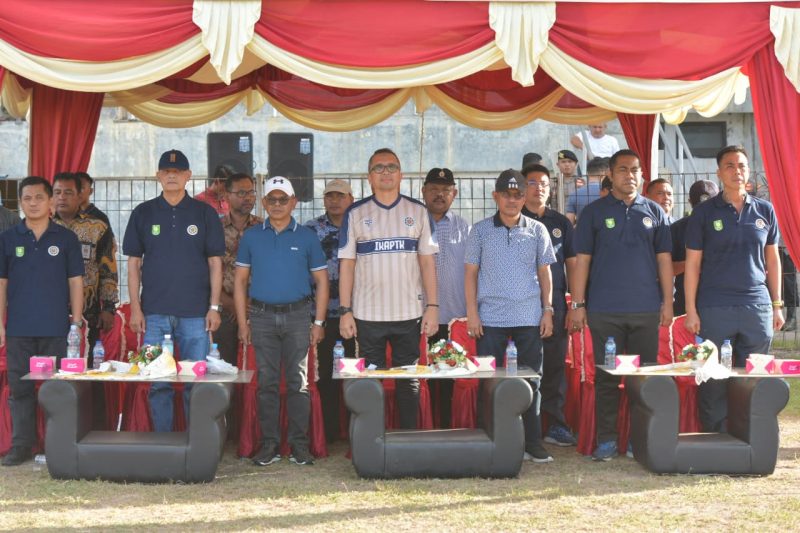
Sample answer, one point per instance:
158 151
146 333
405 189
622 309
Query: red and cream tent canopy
344 65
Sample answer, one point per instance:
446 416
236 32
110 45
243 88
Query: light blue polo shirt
623 242
733 270
508 274
280 262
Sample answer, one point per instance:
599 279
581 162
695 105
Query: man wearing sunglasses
387 268
275 260
240 193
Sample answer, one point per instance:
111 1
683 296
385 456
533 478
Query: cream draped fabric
184 115
784 23
228 25
103 76
674 98
16 100
521 32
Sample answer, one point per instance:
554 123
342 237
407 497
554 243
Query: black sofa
493 451
73 451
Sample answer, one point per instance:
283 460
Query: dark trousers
790 296
554 386
749 328
529 353
634 333
22 397
329 390
444 386
227 338
403 337
281 341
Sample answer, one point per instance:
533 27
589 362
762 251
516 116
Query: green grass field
572 494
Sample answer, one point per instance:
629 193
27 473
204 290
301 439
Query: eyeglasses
380 168
244 194
283 200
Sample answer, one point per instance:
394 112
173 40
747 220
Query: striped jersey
385 240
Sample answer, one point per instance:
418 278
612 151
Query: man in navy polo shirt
276 258
41 280
507 283
624 253
174 245
560 229
733 275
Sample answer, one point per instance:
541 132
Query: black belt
280 308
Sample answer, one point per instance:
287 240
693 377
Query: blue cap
173 159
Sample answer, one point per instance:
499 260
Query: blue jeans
529 353
191 338
749 328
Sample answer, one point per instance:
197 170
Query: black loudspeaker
291 155
232 150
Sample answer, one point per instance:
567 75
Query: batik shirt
328 235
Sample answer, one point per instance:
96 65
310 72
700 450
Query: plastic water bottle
214 353
73 342
338 354
98 354
611 353
726 354
167 346
511 359
39 461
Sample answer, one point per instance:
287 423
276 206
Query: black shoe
301 456
17 455
537 453
267 455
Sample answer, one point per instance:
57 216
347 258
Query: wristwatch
547 308
344 310
577 305
320 323
215 307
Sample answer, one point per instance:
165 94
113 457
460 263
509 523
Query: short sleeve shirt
174 243
38 275
581 197
328 235
232 238
280 262
623 242
733 269
561 233
385 241
508 262
451 234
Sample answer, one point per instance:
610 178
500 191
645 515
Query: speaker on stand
229 152
291 155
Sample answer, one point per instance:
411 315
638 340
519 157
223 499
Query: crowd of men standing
388 268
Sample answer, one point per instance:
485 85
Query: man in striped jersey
386 269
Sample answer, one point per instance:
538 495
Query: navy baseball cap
509 179
567 154
173 159
443 176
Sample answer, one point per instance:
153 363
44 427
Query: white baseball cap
279 183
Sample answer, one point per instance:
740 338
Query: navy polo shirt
38 274
678 230
561 233
733 270
280 262
623 242
174 243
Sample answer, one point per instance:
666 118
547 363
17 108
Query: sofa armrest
364 398
68 412
505 400
753 408
208 403
654 420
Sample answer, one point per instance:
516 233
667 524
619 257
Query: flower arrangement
697 352
146 355
447 353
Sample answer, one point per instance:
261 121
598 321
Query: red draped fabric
685 42
639 130
96 31
776 107
495 91
375 34
62 131
464 409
